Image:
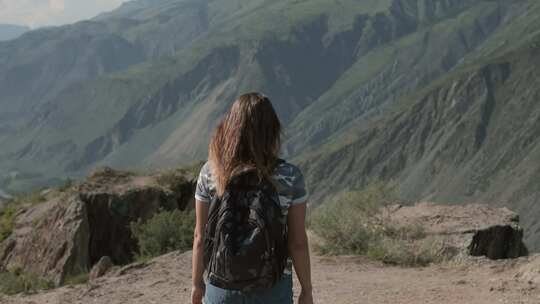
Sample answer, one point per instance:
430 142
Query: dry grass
353 224
16 281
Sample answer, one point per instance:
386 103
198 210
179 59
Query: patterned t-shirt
289 183
288 180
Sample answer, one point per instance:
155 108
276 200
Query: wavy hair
248 136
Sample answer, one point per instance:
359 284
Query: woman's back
249 137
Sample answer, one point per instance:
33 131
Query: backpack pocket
244 263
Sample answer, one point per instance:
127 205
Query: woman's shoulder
290 184
286 168
205 174
284 171
287 172
205 171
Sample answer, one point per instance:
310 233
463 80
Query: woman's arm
201 211
299 250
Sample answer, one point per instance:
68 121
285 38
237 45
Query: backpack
246 235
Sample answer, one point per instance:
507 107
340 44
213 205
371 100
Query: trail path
337 280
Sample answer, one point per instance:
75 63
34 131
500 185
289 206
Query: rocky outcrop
50 239
102 266
72 231
476 230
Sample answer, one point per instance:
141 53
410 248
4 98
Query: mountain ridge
470 151
345 77
12 31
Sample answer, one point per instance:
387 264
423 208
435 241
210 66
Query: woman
249 135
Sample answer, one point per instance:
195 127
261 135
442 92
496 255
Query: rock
101 267
476 230
70 232
126 269
49 239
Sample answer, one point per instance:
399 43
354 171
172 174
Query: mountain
435 95
10 31
471 136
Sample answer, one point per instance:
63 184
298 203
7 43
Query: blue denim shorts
281 293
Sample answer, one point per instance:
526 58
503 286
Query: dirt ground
337 280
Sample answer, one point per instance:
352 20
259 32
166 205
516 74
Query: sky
37 13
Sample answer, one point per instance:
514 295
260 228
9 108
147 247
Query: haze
38 13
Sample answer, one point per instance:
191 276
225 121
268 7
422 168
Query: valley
436 97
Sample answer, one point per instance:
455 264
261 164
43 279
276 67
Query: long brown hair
248 136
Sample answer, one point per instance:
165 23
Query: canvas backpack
246 235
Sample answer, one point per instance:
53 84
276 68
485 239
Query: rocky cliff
73 229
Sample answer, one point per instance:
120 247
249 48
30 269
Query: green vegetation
34 197
77 276
285 28
351 80
166 231
8 212
76 279
66 185
7 220
16 281
354 224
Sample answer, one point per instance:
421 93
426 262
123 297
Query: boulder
49 239
70 232
477 230
102 266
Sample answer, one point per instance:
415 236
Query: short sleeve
299 192
202 192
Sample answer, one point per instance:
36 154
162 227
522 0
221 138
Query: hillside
435 95
473 136
165 108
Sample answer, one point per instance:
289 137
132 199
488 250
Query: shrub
7 220
164 232
350 223
353 224
17 281
34 197
405 252
66 185
78 275
8 212
76 279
